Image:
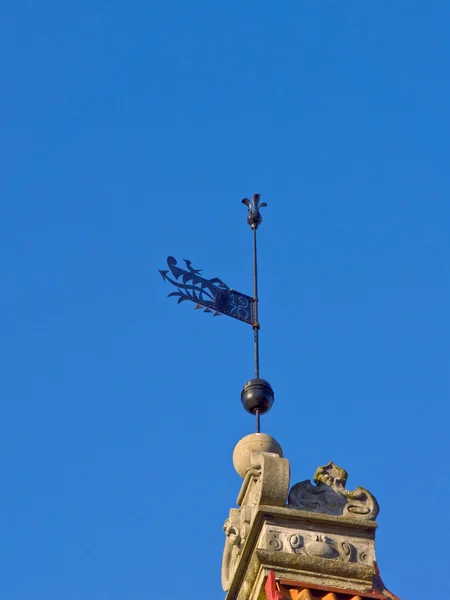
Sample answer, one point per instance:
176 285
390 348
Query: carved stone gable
321 543
329 496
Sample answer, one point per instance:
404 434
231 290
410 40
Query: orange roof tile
290 590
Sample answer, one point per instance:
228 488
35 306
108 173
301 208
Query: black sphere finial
257 396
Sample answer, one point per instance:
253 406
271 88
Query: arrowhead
198 306
217 314
208 310
163 273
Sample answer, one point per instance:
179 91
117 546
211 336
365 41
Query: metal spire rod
256 322
255 305
254 220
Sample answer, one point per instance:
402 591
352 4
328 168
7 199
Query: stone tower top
313 541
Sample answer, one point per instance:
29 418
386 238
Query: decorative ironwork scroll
211 294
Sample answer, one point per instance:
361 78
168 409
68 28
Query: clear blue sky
131 131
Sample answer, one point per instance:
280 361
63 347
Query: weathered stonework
307 542
330 497
317 535
266 482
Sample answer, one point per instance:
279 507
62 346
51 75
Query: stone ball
255 441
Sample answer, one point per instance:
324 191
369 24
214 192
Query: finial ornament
254 217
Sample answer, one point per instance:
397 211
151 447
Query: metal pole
255 320
254 220
255 305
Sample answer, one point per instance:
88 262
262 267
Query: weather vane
214 295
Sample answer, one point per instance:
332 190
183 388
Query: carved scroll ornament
330 497
267 482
